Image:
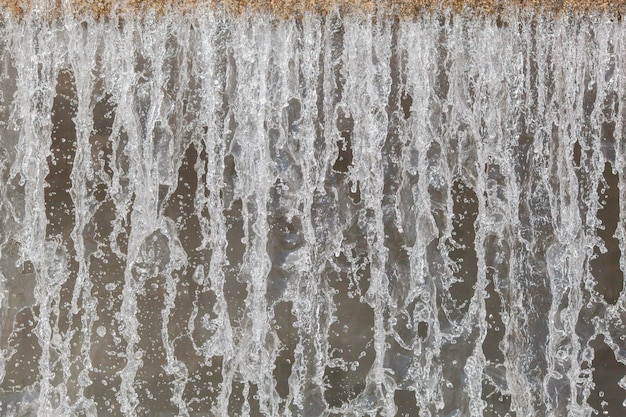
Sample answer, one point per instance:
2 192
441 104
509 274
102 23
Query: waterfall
211 214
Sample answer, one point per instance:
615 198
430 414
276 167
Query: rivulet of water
214 215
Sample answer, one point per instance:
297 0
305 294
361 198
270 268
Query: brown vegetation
285 8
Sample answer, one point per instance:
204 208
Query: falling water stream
214 215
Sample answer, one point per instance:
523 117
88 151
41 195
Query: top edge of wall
293 8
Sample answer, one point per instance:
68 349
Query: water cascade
341 214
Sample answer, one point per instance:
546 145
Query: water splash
217 215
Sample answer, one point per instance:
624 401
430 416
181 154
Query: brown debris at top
287 8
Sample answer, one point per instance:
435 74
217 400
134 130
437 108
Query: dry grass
286 8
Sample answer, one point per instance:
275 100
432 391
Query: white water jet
207 215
